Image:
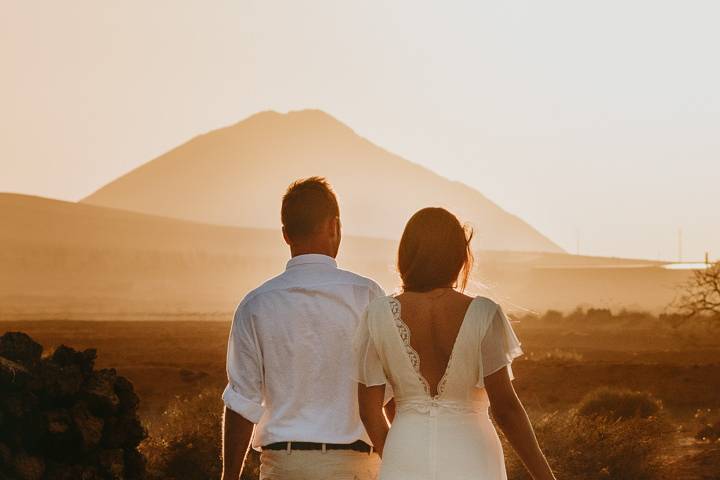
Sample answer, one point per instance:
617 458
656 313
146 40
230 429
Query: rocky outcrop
61 419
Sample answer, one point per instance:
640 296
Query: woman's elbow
501 415
505 412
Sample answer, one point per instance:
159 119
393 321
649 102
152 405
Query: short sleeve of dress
369 369
499 346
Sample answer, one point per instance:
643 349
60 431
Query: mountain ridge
236 176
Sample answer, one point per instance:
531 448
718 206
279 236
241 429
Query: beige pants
316 465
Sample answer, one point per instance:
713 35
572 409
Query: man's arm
243 395
237 432
370 400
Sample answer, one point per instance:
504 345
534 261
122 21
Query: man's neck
294 252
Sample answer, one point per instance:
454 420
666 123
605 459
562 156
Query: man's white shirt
290 363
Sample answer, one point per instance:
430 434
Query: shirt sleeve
500 346
369 369
376 291
243 393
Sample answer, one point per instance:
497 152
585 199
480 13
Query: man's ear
285 236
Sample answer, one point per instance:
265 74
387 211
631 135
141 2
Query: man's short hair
307 204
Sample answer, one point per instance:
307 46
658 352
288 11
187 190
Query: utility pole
707 258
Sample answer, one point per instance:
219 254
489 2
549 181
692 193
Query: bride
446 357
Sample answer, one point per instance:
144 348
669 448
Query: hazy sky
592 119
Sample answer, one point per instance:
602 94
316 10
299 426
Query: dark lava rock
20 348
19 404
59 382
129 400
89 426
13 375
62 439
28 467
65 356
112 463
123 432
99 390
5 455
135 465
59 471
62 420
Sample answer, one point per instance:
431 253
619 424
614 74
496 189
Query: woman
447 358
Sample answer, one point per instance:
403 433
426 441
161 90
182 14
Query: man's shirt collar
311 258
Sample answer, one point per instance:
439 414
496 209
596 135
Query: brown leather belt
358 446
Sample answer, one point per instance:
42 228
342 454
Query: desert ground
567 357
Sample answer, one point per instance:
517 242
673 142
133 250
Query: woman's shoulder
486 302
485 308
474 301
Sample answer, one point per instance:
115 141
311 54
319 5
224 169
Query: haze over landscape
195 133
185 235
595 135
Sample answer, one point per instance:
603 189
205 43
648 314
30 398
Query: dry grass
184 442
598 448
178 371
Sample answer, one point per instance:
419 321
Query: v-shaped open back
484 344
405 335
449 435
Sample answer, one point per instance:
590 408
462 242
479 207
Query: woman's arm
370 400
512 419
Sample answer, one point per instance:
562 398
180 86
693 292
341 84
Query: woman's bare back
434 319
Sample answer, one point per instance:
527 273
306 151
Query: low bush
708 425
596 448
709 432
184 443
616 404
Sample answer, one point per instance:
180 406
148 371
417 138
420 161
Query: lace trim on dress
443 379
404 331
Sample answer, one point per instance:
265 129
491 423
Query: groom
289 361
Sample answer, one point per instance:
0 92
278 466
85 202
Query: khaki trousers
318 465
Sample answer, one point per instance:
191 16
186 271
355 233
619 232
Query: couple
320 362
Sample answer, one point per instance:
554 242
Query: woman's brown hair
434 251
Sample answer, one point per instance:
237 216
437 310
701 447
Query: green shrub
184 444
615 404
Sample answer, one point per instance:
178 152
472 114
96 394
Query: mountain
63 260
237 175
69 260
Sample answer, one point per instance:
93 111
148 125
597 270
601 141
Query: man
290 364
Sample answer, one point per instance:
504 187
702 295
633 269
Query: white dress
448 436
